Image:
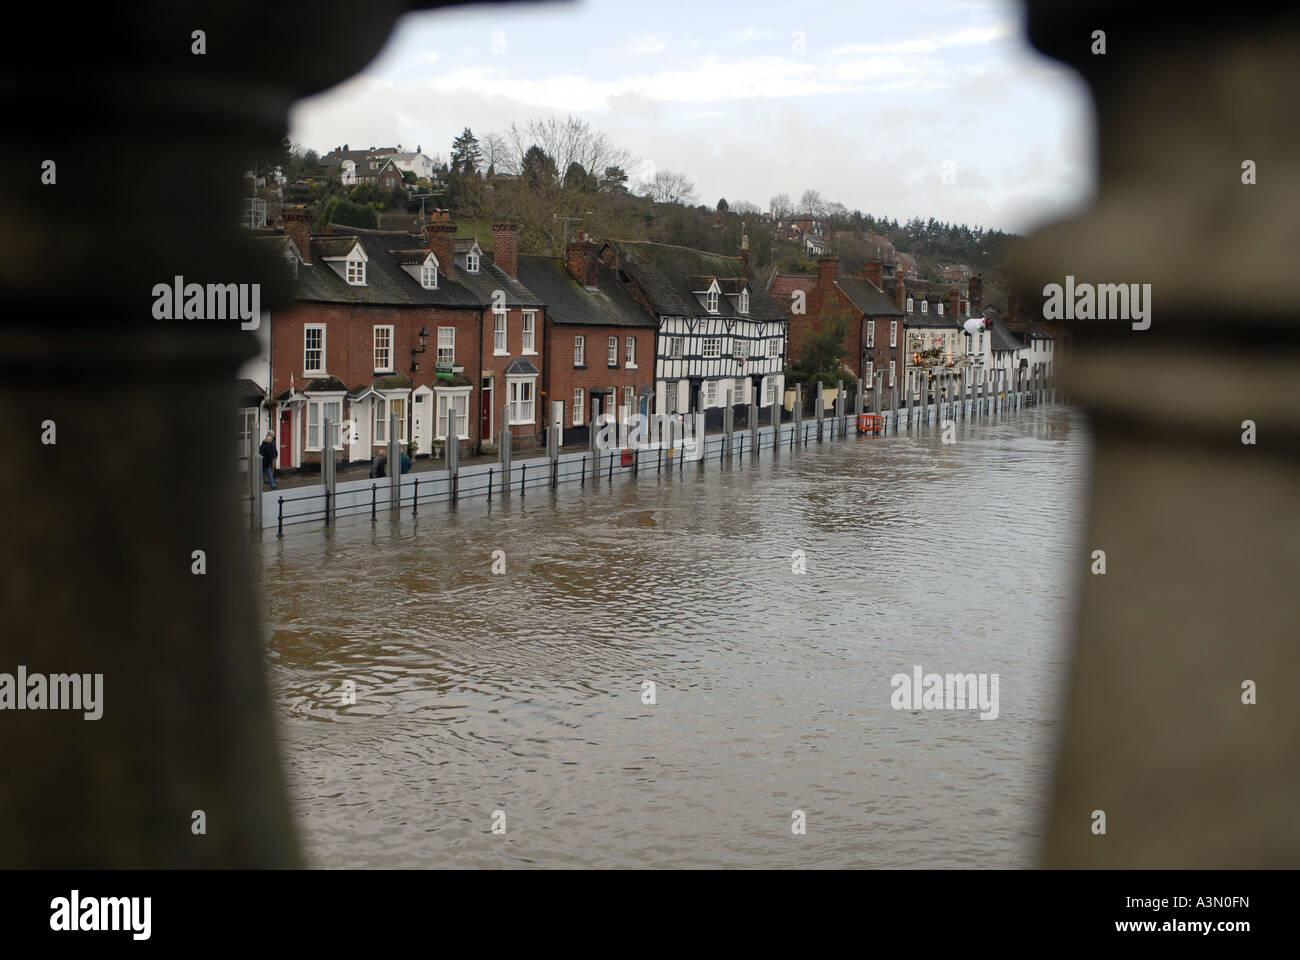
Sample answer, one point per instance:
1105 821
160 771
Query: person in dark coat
269 456
406 461
378 467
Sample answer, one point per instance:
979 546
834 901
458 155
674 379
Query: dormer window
471 260
925 306
744 301
291 261
909 304
356 273
711 298
940 306
429 273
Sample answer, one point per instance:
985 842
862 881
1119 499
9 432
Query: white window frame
740 348
579 396
629 398
909 305
710 393
355 271
380 432
893 333
613 351
711 299
471 262
774 348
450 397
676 347
529 333
318 405
891 372
579 351
769 391
716 343
743 306
318 371
429 273
388 328
871 334
450 347
925 306
629 359
513 398
870 378
500 333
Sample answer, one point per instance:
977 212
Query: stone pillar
1198 528
142 411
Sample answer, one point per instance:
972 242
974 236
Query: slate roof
664 273
250 394
569 302
318 385
387 284
1000 336
868 298
519 366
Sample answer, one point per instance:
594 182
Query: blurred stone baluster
1200 531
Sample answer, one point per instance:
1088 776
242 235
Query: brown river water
522 692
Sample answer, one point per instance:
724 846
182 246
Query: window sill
579 366
528 353
630 366
611 366
500 353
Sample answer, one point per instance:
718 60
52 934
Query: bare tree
780 206
668 186
812 204
745 209
568 141
497 154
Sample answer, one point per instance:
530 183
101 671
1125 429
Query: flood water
522 692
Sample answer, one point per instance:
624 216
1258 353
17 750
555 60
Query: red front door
286 440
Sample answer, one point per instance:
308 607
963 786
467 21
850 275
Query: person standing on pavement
269 456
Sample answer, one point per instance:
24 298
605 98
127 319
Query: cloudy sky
870 104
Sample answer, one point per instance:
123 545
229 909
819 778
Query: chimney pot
442 241
826 271
581 259
297 225
505 247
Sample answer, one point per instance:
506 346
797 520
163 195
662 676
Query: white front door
422 418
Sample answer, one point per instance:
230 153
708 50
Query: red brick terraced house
385 323
600 342
874 343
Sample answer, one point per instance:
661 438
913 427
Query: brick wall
562 377
349 350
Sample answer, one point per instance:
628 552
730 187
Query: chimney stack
900 292
873 270
826 272
505 247
442 241
581 260
954 302
297 225
1011 306
975 292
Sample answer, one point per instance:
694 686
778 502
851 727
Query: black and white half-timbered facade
720 334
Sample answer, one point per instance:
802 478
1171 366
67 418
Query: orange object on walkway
870 422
